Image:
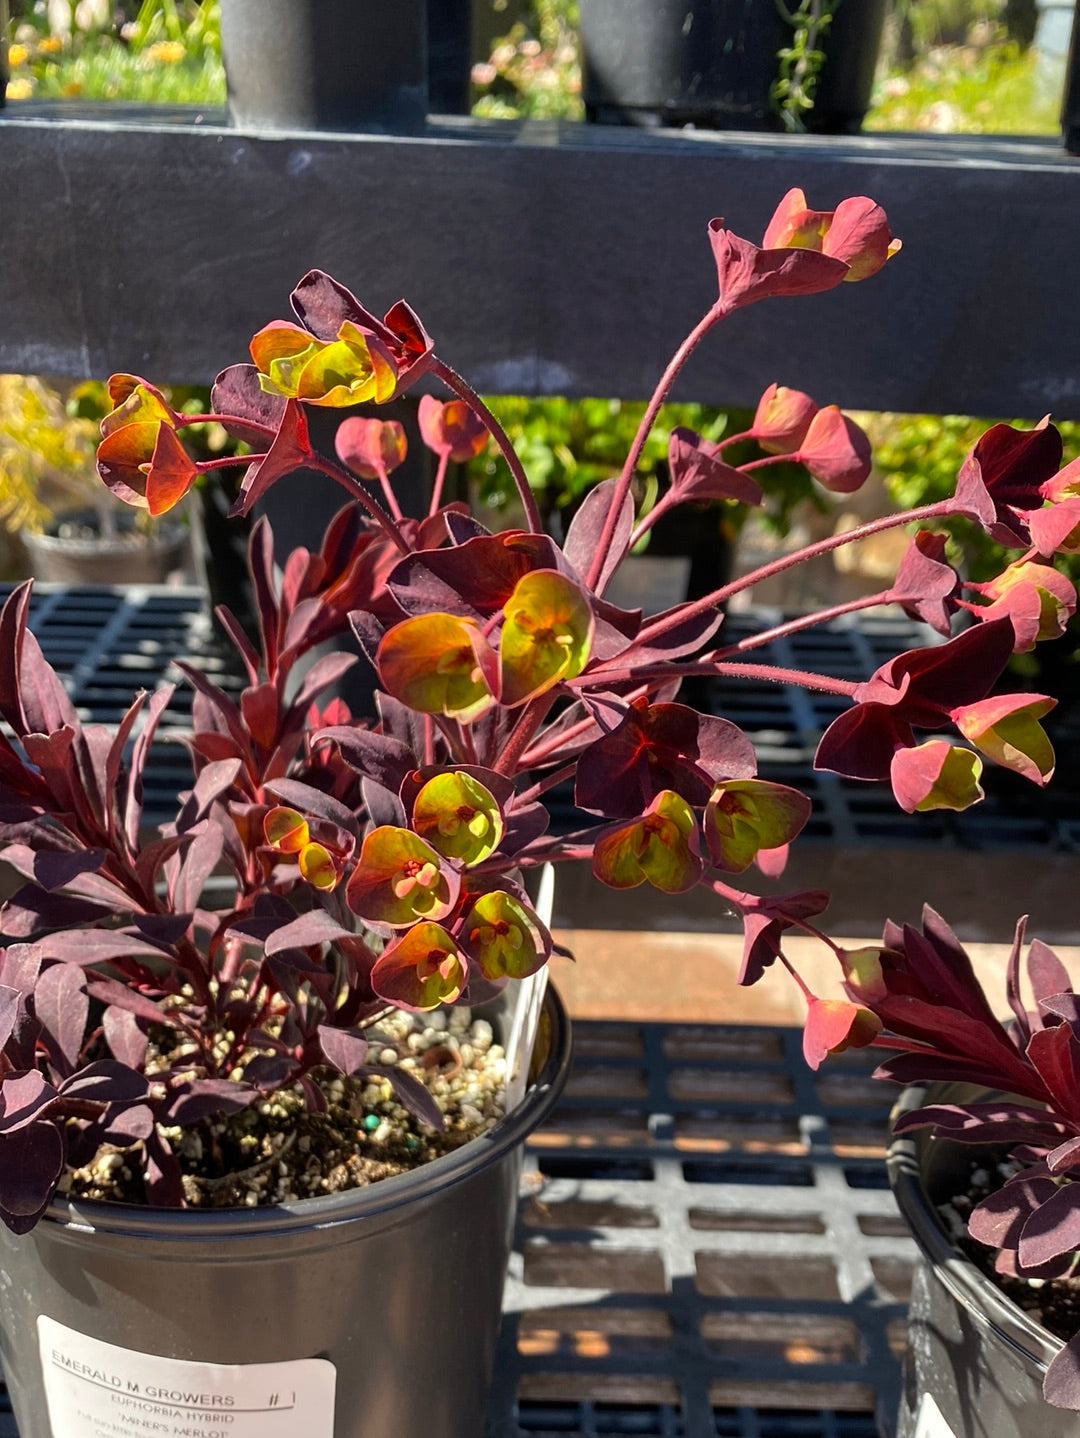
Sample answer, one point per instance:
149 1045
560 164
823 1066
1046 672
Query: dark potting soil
1055 1304
277 1150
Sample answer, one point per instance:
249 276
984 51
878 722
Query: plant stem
437 487
775 674
673 618
713 315
795 626
465 391
318 462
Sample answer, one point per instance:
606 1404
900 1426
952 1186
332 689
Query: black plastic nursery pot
975 1360
372 1313
326 64
712 63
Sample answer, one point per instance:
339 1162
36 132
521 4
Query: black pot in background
979 1357
326 64
712 63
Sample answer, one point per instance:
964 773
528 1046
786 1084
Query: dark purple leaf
107 1081
323 673
587 526
25 1096
164 1180
1053 1229
9 1012
53 870
413 1095
1061 1385
237 396
140 752
125 1038
346 1049
208 1098
378 756
214 780
699 473
259 710
126 997
129 1126
314 927
30 1164
31 911
323 305
199 862
1000 1218
310 800
1064 1157
95 946
269 1072
62 1006
291 450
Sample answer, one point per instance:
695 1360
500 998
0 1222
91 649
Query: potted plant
723 64
223 1014
51 499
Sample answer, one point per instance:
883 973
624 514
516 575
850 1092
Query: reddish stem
795 626
464 391
318 462
715 313
673 618
437 487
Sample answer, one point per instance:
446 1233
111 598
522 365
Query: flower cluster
321 866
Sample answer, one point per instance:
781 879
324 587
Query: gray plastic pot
126 557
378 1309
973 1355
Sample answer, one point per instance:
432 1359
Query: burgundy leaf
139 754
95 946
861 742
699 473
1047 975
200 860
208 1098
1064 1157
412 1093
126 997
1061 1383
346 1049
106 1081
925 585
130 1126
31 911
259 710
314 927
587 526
9 1012
237 396
30 1164
313 801
323 673
1000 1218
1055 1052
61 1004
1053 1229
291 450
126 1040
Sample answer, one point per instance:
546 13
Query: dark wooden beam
544 258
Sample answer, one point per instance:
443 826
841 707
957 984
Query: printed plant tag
97 1390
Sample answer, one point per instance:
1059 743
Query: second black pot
712 63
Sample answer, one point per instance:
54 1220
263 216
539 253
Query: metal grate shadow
706 1247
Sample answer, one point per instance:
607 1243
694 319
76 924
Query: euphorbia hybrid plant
323 867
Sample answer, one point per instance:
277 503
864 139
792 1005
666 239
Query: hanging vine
800 63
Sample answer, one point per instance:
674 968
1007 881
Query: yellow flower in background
50 45
165 52
20 89
18 55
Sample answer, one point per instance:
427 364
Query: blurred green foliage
169 53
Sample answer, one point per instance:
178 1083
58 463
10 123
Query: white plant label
930 1423
97 1390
